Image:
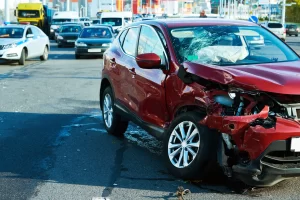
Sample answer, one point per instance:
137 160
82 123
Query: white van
116 19
62 17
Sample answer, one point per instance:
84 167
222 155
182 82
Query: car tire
77 56
112 121
59 46
296 35
290 35
44 57
192 162
22 58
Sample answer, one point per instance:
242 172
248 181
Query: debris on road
181 191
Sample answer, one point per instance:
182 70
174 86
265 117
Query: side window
36 31
122 36
130 41
149 42
29 31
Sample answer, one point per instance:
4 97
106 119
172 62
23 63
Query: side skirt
153 130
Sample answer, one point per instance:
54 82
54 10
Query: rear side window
130 41
274 25
122 36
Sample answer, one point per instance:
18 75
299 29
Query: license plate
94 50
70 40
295 144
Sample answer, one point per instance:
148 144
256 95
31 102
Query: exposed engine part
241 106
224 100
227 141
266 123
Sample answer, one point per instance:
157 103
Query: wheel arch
105 82
26 51
188 108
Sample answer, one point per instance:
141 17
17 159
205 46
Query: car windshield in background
229 45
96 33
70 29
10 32
292 26
28 13
112 21
60 21
275 25
97 21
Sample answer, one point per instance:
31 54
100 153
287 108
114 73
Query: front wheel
44 57
22 58
77 56
189 147
112 121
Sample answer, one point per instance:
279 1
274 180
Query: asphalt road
53 145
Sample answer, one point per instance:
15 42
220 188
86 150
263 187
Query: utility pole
7 14
283 12
68 5
44 2
86 8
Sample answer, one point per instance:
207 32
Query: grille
70 37
282 159
94 45
293 110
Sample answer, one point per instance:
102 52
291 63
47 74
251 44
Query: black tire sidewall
206 153
22 58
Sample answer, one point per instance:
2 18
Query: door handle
132 71
112 61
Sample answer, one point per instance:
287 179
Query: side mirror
148 61
29 36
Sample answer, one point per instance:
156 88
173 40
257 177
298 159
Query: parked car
292 29
21 42
68 34
93 41
277 28
210 96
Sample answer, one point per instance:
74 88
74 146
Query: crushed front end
260 134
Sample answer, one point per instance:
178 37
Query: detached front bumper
275 164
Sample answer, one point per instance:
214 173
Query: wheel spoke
185 158
194 144
189 130
173 146
178 136
191 151
174 153
182 132
180 158
193 134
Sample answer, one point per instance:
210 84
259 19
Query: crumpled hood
9 41
282 78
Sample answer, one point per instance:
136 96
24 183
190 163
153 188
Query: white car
277 28
21 42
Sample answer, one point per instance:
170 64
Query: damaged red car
215 91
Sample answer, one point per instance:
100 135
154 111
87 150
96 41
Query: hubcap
184 144
46 53
107 110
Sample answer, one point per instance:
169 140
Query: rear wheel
44 57
296 35
112 121
22 58
189 148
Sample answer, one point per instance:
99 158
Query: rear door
41 40
31 44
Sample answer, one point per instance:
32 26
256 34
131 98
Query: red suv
210 94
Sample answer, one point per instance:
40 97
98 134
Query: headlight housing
106 44
80 44
51 30
60 37
8 46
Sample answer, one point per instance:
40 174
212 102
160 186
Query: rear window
274 25
292 26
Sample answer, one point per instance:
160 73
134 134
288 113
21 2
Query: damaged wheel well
188 108
104 84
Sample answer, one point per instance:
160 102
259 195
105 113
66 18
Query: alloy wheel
108 110
184 144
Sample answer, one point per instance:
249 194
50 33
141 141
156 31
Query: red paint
157 95
148 60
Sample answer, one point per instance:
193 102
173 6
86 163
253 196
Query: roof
16 26
183 22
29 6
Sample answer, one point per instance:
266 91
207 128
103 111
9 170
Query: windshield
112 21
96 33
28 13
70 29
229 45
10 32
60 21
97 21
